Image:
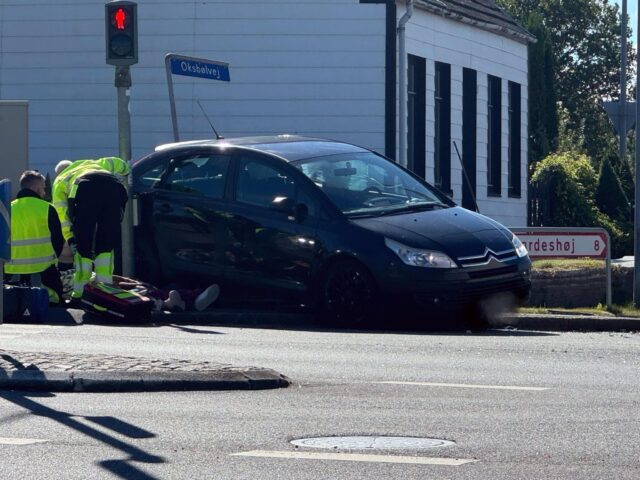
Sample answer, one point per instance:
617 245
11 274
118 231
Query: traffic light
121 32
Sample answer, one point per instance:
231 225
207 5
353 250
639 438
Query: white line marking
462 385
20 441
352 457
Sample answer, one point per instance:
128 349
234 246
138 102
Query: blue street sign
199 67
5 220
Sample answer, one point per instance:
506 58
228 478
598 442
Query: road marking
20 441
463 385
353 457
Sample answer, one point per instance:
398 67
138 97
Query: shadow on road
311 323
121 468
285 319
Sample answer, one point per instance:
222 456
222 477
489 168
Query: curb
530 321
104 382
563 323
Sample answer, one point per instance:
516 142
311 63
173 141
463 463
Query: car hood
456 231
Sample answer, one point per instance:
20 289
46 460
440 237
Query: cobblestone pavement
62 362
110 373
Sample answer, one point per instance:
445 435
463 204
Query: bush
563 191
562 187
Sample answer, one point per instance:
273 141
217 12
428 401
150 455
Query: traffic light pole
123 83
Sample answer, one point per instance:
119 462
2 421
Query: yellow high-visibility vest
31 248
66 183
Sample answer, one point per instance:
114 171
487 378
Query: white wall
297 66
441 40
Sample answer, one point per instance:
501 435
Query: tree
543 116
585 40
610 197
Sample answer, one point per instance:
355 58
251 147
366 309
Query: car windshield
366 184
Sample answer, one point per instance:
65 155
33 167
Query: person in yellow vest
36 236
90 197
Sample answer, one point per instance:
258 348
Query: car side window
261 184
204 175
152 177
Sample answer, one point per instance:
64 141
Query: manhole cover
372 443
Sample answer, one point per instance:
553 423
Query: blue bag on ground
25 303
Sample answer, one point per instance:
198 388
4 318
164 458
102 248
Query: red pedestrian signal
119 18
121 33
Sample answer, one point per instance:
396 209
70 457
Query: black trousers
97 213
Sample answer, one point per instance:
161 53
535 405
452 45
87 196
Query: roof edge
521 36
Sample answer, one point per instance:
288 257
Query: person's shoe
207 297
174 302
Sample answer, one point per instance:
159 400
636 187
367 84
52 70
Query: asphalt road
518 405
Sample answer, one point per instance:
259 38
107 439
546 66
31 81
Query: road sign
545 242
191 67
199 67
614 110
564 244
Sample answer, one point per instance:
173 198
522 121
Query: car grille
493 272
487 257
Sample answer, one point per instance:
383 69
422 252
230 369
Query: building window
416 112
442 140
469 136
494 145
515 125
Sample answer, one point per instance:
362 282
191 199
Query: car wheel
348 294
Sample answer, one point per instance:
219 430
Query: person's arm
61 204
57 239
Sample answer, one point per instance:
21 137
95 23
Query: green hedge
563 187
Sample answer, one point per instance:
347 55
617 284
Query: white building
324 68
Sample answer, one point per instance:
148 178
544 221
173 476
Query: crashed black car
316 222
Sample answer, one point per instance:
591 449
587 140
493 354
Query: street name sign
564 243
199 67
191 67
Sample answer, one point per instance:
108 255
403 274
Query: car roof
288 147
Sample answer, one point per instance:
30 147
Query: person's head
34 181
62 164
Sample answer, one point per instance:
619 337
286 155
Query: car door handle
165 208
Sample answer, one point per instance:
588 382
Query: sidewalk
560 322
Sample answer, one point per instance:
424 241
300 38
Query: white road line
20 441
464 385
352 457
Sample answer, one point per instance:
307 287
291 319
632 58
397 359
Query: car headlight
521 250
420 258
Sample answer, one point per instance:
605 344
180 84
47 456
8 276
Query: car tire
348 295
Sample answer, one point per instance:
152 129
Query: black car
315 222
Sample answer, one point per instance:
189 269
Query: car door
270 249
187 215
